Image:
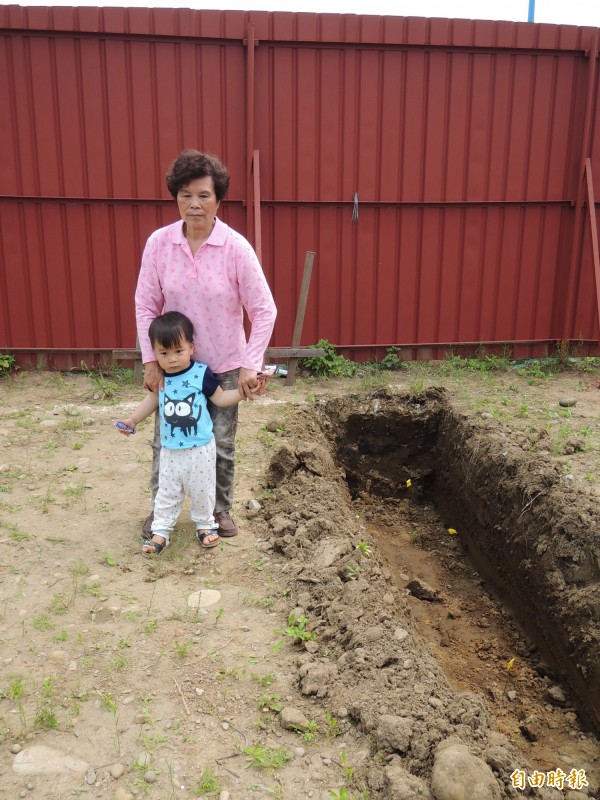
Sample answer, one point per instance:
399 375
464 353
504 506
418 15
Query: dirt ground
182 676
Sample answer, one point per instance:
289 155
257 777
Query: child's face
176 358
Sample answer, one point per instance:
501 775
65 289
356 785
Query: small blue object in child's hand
122 427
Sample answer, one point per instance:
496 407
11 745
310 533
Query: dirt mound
528 532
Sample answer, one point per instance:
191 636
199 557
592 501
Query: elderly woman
209 272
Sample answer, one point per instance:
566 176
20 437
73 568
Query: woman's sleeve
149 299
259 304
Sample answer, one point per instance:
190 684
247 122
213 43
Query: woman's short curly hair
191 164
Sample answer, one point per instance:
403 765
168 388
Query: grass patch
267 758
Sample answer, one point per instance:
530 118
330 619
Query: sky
563 12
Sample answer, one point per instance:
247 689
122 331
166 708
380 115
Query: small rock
486 415
253 505
292 719
556 696
531 728
512 695
49 423
400 634
569 478
457 773
143 759
299 752
224 795
117 770
42 760
567 402
139 719
122 794
422 590
225 726
149 776
398 782
15 748
90 777
394 733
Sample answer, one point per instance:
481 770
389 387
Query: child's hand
125 426
262 383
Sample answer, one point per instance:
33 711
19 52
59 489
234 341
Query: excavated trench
414 476
533 542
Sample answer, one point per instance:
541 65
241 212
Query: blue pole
531 14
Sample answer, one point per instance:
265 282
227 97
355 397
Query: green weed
267 758
43 623
8 363
310 731
263 680
118 663
14 533
351 572
296 629
333 727
270 702
208 783
329 365
45 716
182 650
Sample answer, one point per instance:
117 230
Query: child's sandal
151 549
203 537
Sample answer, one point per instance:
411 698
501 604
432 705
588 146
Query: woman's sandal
157 548
202 536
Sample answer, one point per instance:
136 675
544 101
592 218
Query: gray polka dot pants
188 472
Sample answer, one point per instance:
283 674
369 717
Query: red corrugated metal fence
465 142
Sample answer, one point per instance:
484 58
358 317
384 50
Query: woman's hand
247 383
153 376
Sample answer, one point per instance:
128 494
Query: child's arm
225 398
148 405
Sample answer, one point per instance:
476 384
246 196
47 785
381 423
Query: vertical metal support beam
250 43
593 230
293 362
574 264
257 220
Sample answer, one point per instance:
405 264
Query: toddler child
188 453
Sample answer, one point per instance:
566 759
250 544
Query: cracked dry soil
155 676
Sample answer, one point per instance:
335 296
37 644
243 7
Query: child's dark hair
170 329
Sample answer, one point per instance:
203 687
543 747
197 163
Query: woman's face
198 205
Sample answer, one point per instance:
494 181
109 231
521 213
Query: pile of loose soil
417 450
